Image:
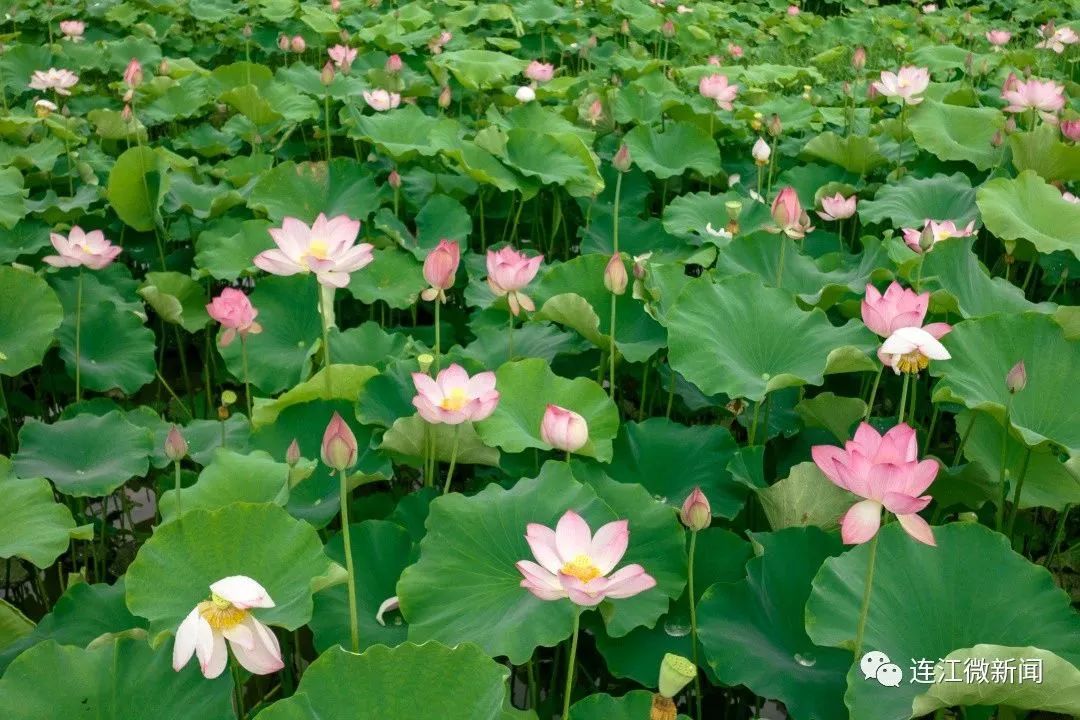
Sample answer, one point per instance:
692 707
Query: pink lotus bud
793 10
775 126
761 152
858 58
786 208
668 29
997 140
595 112
445 97
133 74
126 114
283 43
1071 129
714 60
394 64
394 180
622 159
696 512
338 445
246 31
1016 379
292 453
564 429
297 44
624 28
176 447
872 92
735 51
1010 125
335 5
615 277
440 268
327 75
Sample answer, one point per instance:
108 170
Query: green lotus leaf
348 381
836 414
491 348
226 248
554 159
174 569
230 477
137 184
476 69
465 586
1044 153
122 679
679 147
634 705
395 277
12 197
85 456
753 634
858 154
526 387
30 313
805 497
176 298
407 439
33 525
483 167
1028 208
13 625
441 217
927 602
716 342
249 101
367 344
407 132
953 132
689 215
28 237
303 190
911 201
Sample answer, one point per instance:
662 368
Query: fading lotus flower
525 94
898 307
788 215
905 86
59 81
723 233
87 249
575 564
226 616
761 152
297 44
540 72
1056 39
440 267
716 87
1016 378
564 429
453 397
133 74
328 248
1044 96
508 273
837 207
884 470
343 57
910 349
436 44
390 603
44 108
936 231
339 449
234 311
1071 129
998 38
73 29
382 100
696 513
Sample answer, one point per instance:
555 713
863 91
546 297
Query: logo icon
875 665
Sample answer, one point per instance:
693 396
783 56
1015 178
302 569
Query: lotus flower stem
753 425
1004 456
354 627
693 622
780 264
172 393
453 458
326 309
78 336
238 688
1016 493
247 382
873 394
772 165
534 690
1059 534
930 432
7 415
326 112
903 397
861 627
611 351
438 336
900 139
644 387
176 472
510 339
570 664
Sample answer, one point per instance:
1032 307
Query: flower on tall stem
509 272
73 29
1045 97
59 81
328 248
837 207
788 215
339 452
905 86
82 249
452 397
716 87
440 269
564 429
234 311
898 307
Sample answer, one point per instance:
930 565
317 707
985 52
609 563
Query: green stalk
453 459
1016 493
780 265
78 336
247 383
176 471
1004 457
900 140
438 331
326 311
510 339
873 394
693 621
611 353
570 665
326 111
860 629
354 627
752 438
238 689
1059 534
903 398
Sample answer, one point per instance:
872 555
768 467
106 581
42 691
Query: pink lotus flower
440 267
339 449
508 273
382 100
1056 39
595 113
73 29
234 311
540 72
936 232
224 617
858 58
904 86
88 249
453 397
837 207
793 10
998 38
437 43
716 88
59 81
342 56
563 429
1045 96
575 564
1071 129
327 248
910 349
1016 378
133 74
1069 197
735 51
887 473
788 215
394 64
899 307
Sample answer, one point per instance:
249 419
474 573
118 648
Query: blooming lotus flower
898 307
59 81
910 349
936 231
837 207
575 564
327 248
509 272
525 94
382 100
440 267
884 470
540 72
224 617
342 56
792 9
788 215
905 86
1056 39
87 249
436 44
73 29
998 38
761 152
563 429
453 397
234 311
716 87
133 74
1045 96
1071 129
929 9
339 449
735 51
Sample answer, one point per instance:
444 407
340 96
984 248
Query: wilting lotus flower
382 100
540 72
696 513
224 617
910 349
44 108
898 307
998 38
1071 129
436 44
525 94
788 215
59 81
936 231
339 449
88 249
886 471
1045 96
905 86
716 87
837 207
761 152
509 272
73 29
327 248
440 267
1056 39
343 57
133 74
574 563
564 429
234 311
453 397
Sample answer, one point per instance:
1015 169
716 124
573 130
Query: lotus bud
872 92
163 67
858 58
425 360
1016 379
775 127
1010 125
696 512
564 429
624 28
615 277
595 112
622 159
394 64
998 140
926 238
761 152
246 32
394 180
676 672
129 95
1071 129
338 445
668 29
176 447
283 43
133 74
292 453
445 97
335 5
297 44
126 114
327 75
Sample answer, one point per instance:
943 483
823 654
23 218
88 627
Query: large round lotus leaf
173 570
688 215
679 147
753 634
1028 208
984 350
526 387
911 201
927 602
805 497
303 190
743 339
408 681
1042 152
30 313
86 456
634 705
831 412
407 441
646 452
573 294
231 477
477 69
381 550
394 277
226 248
13 625
123 679
465 586
136 187
407 132
554 159
952 132
176 298
280 356
858 154
33 525
82 614
13 196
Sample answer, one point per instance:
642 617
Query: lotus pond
604 360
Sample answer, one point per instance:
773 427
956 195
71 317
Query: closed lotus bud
761 152
445 97
997 140
926 238
624 28
858 58
335 5
1071 129
338 445
775 126
696 512
292 453
615 277
622 159
327 75
176 447
283 42
133 74
394 180
394 64
297 44
676 672
247 30
1016 379
564 429
668 29
126 114
595 112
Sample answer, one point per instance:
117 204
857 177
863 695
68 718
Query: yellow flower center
221 614
912 362
455 400
582 568
943 235
318 249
